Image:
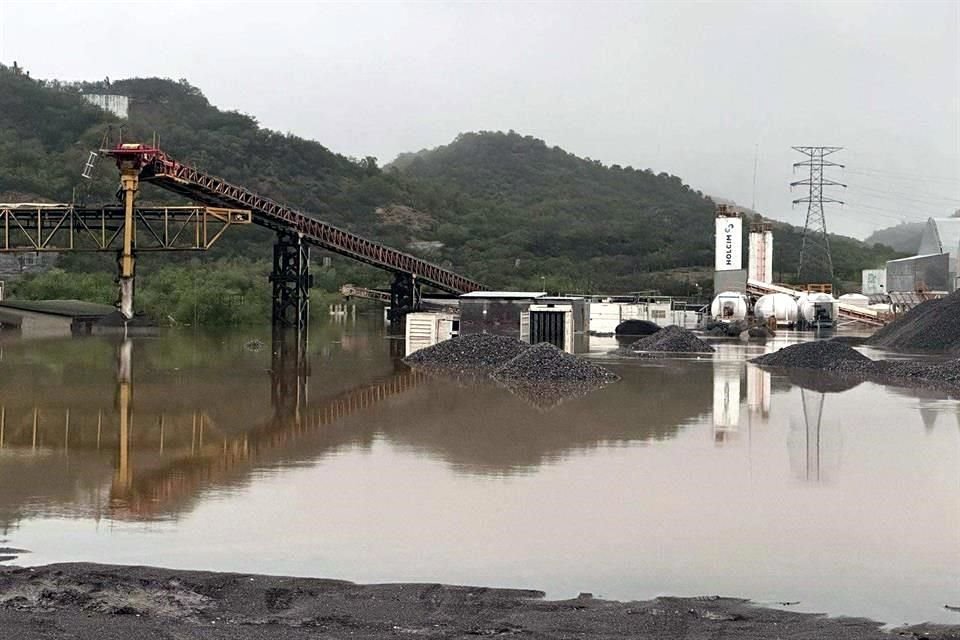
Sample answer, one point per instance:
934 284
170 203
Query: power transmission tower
816 263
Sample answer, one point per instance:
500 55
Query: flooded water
688 477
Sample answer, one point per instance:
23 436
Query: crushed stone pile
935 374
672 339
546 363
478 353
835 366
931 326
824 355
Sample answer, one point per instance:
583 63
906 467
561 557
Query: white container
781 306
427 329
818 309
857 299
874 281
729 305
604 316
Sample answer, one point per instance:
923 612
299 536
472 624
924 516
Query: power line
870 192
896 175
816 263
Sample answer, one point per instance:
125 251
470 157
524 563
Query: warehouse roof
941 235
504 294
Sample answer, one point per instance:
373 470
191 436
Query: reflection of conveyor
155 492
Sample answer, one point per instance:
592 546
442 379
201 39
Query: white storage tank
818 310
781 306
729 305
857 299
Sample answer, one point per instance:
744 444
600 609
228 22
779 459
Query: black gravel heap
931 326
478 353
636 328
672 339
546 363
824 355
837 364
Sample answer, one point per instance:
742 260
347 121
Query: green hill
602 227
502 208
904 237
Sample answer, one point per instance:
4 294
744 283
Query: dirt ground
87 601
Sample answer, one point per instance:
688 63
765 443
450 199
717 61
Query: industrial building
50 318
934 268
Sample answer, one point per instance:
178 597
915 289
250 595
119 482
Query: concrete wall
730 281
117 105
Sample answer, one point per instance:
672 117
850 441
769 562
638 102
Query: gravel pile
546 363
824 355
478 353
831 366
672 339
931 326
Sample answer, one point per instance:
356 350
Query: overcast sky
695 89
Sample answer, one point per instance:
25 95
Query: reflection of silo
814 448
758 391
726 400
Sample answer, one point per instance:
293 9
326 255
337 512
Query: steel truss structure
67 227
156 167
291 282
816 261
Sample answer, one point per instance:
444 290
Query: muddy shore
88 601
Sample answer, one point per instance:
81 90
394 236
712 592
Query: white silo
729 306
781 306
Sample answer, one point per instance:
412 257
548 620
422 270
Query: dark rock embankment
932 326
672 340
841 360
98 602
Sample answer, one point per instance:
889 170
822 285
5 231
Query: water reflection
357 467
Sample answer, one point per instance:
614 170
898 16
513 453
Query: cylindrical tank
729 305
855 298
818 309
781 306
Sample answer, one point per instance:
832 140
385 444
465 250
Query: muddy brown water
688 477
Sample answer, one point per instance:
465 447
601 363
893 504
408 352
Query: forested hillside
616 223
503 208
903 237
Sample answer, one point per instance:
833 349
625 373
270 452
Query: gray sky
694 89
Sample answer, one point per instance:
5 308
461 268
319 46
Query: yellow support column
129 183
